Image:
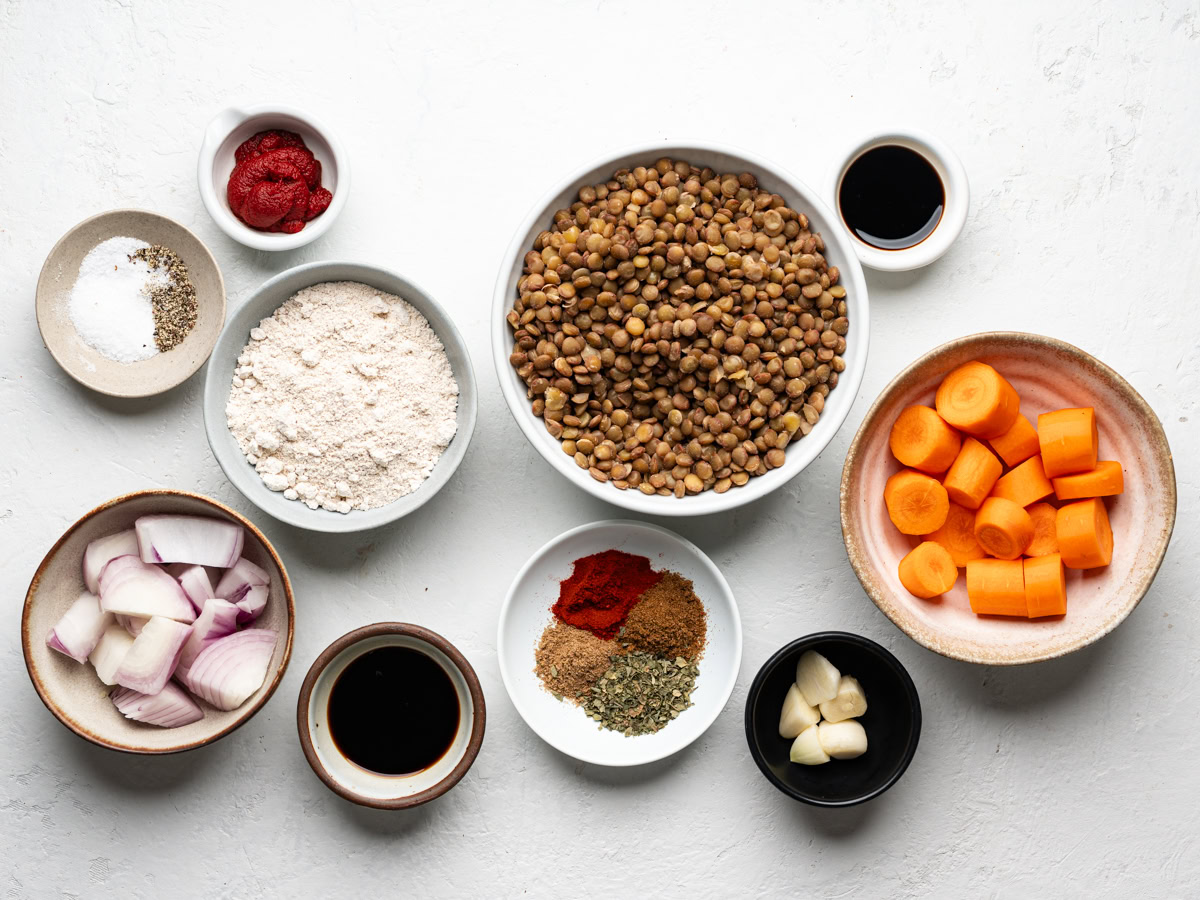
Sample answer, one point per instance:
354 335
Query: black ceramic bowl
892 722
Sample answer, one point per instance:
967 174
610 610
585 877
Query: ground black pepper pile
173 303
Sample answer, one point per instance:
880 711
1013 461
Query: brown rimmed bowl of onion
160 621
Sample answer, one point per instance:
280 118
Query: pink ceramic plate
1048 374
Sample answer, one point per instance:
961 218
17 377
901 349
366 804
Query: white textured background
1078 123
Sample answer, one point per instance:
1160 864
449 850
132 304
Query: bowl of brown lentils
680 330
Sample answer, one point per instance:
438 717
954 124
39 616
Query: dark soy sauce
394 711
891 197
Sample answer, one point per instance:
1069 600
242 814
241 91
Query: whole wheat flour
343 398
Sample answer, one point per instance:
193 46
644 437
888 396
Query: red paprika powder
602 589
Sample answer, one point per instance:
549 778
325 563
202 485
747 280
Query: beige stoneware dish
1048 374
72 691
88 366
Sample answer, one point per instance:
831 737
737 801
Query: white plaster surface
1078 123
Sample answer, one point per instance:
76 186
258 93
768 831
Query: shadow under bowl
892 722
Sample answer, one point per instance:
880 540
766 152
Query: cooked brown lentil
677 329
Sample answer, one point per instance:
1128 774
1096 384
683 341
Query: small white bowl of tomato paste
271 177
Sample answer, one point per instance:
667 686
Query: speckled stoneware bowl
1048 374
362 786
87 365
72 691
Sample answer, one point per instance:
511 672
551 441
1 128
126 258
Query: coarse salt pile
343 398
110 305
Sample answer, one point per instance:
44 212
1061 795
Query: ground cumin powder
668 620
569 660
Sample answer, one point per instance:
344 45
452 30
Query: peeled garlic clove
817 678
842 740
806 748
797 715
849 703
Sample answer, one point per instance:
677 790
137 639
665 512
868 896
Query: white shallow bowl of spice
130 303
340 397
619 643
680 329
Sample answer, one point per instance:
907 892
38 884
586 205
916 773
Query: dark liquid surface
394 711
891 197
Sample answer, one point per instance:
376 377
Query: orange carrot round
1017 444
1085 538
1003 528
957 535
1045 530
996 587
977 399
928 571
1045 586
1069 441
922 440
1106 480
916 503
1025 484
973 474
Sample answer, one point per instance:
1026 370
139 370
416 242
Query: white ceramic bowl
230 128
839 251
953 176
217 379
360 785
526 613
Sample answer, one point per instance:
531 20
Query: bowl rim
245 714
864 643
303 517
349 639
707 502
183 372
854 550
950 168
218 129
505 665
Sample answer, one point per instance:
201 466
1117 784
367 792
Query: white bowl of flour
340 397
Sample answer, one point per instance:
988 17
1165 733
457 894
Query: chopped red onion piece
217 619
195 582
240 577
132 624
131 587
250 607
151 659
78 631
169 708
198 540
229 670
101 550
110 652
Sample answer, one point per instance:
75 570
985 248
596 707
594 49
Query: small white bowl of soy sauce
903 196
391 716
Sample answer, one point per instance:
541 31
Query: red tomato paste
276 183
